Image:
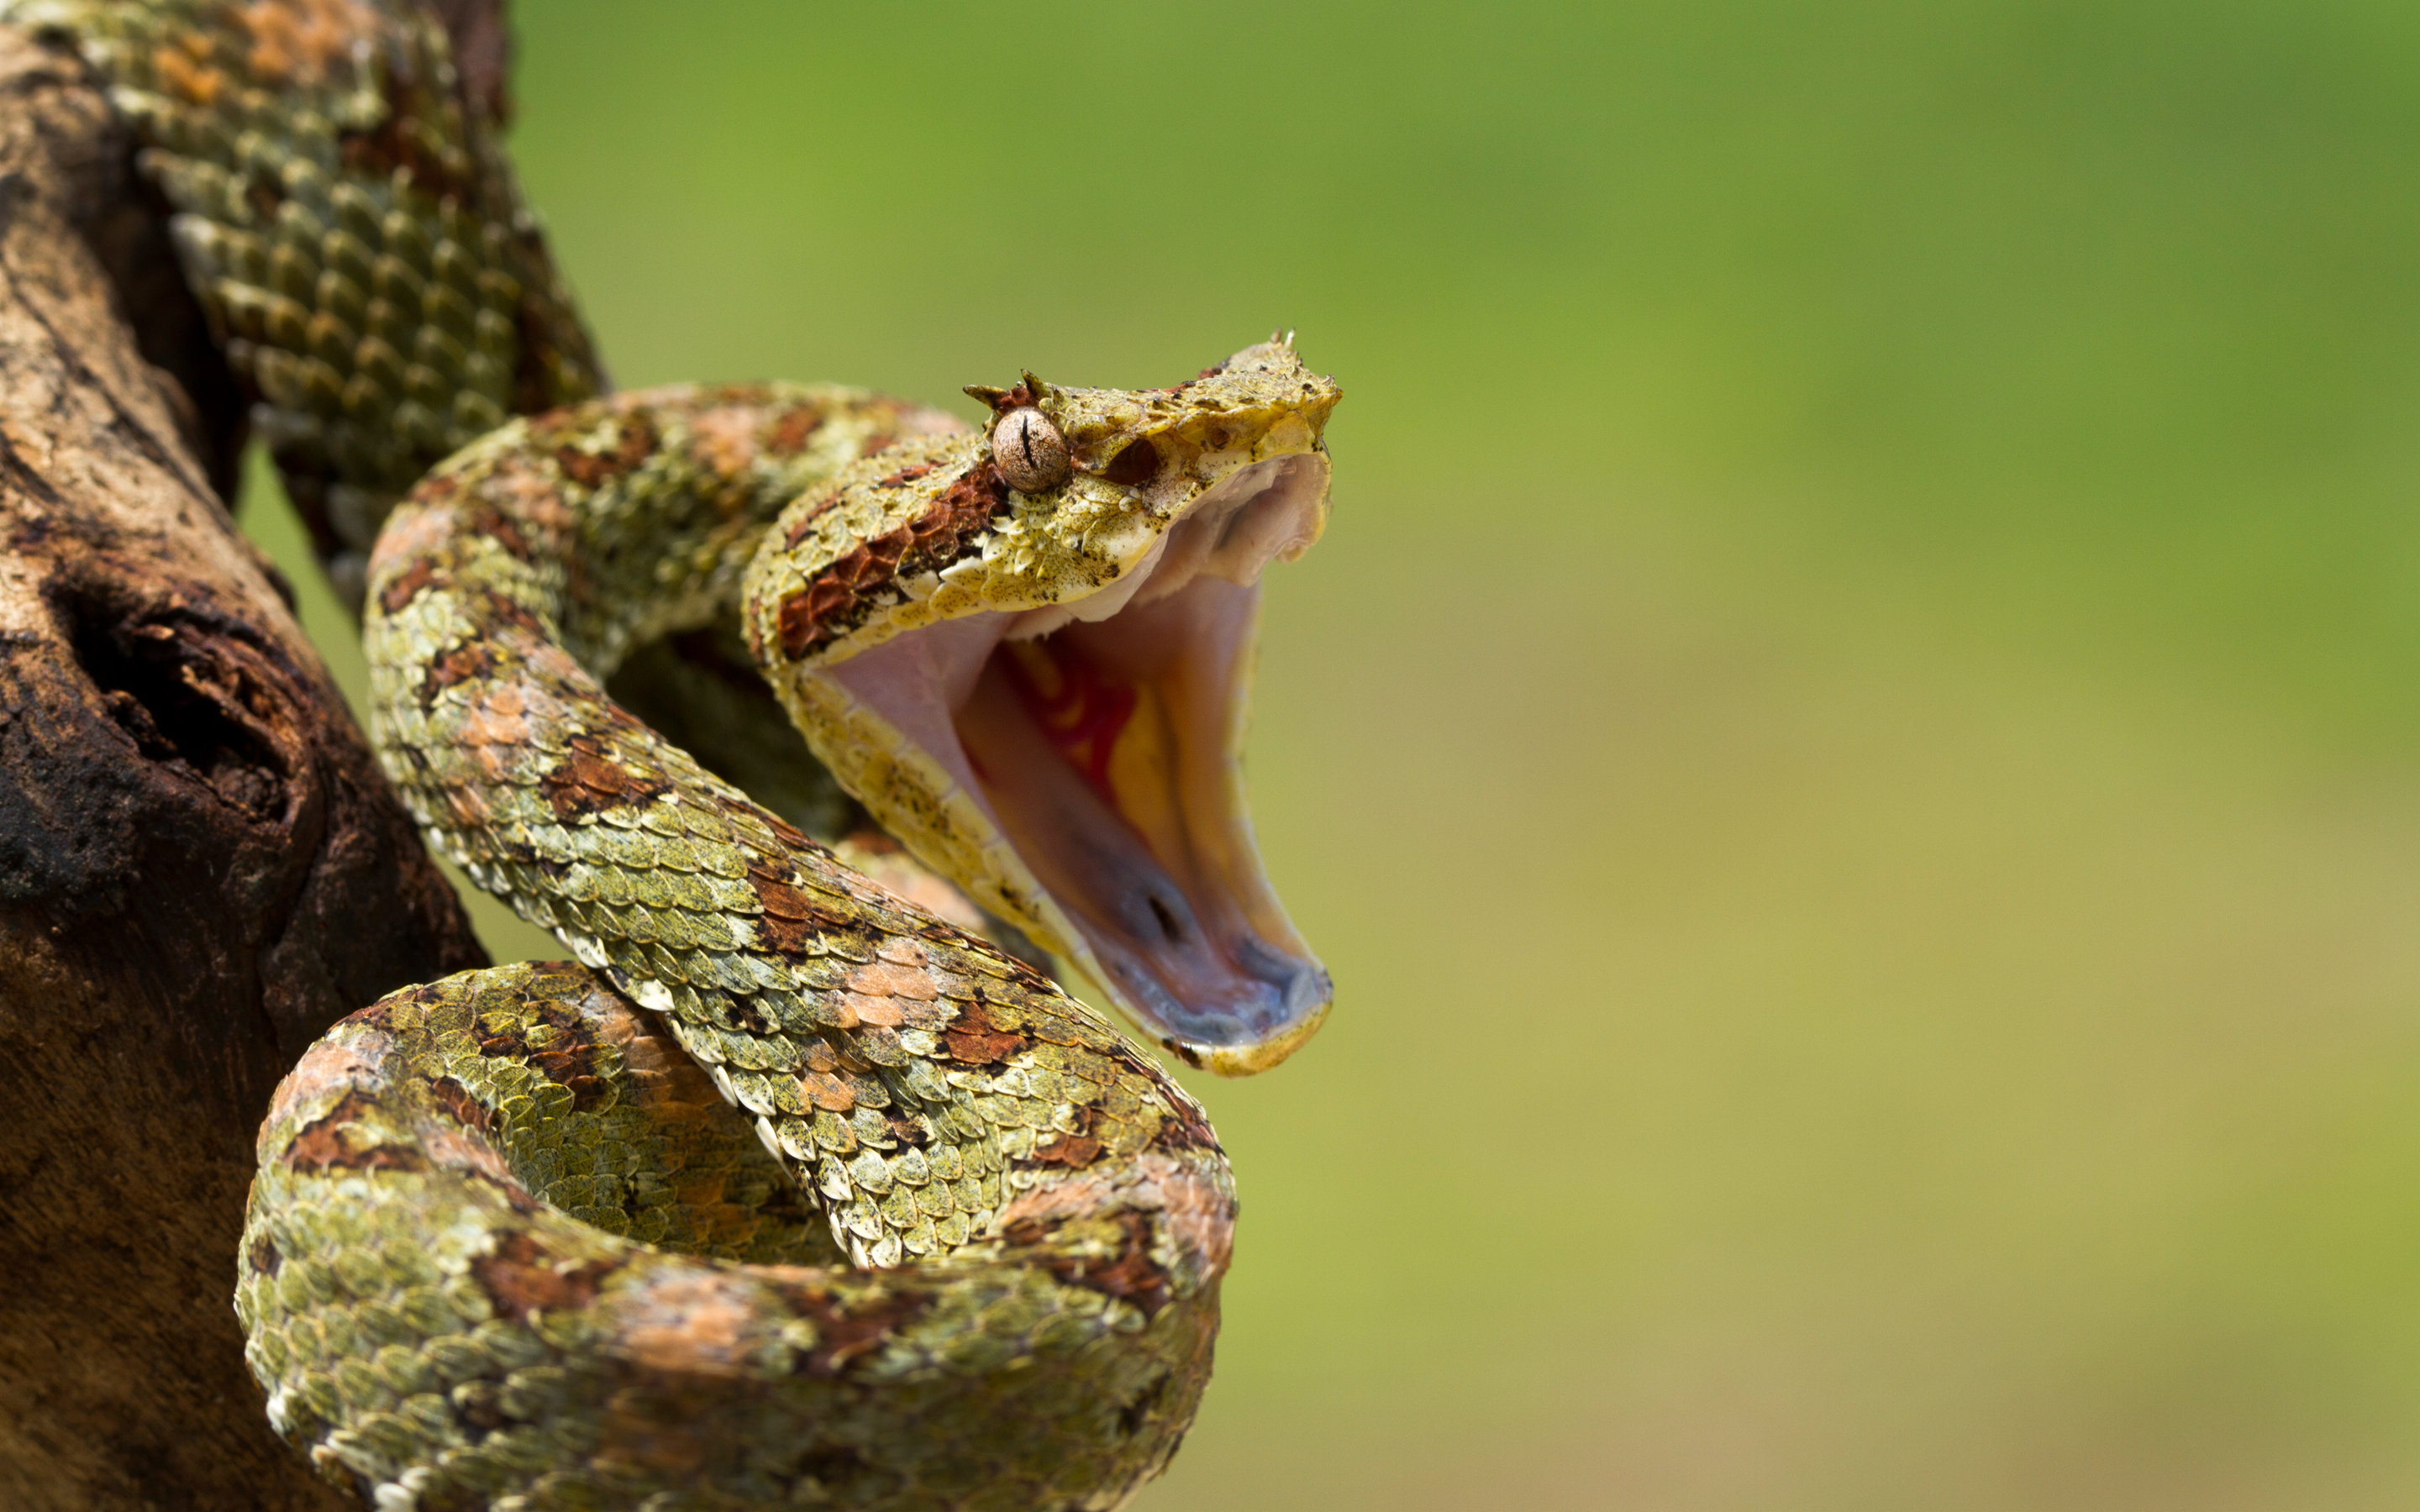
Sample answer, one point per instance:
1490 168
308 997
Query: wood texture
200 864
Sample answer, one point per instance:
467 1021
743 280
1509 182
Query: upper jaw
1270 505
1258 404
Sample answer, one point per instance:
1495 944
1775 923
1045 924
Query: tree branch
200 865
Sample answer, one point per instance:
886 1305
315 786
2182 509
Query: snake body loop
792 1192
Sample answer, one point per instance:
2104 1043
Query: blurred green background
1854 747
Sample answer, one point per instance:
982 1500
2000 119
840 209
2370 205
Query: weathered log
200 865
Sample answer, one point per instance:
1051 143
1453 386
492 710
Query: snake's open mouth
1101 737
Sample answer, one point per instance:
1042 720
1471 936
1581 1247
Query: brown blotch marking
978 1042
1073 1149
406 586
404 139
296 41
457 666
590 782
263 1257
908 1129
802 615
460 1104
905 476
846 1332
783 831
504 611
787 833
826 1092
633 444
1182 1127
1129 1273
726 438
494 731
888 976
962 511
1075 1152
322 1144
617 717
184 70
487 520
874 1012
521 1279
815 613
392 144
538 377
569 1058
791 917
791 433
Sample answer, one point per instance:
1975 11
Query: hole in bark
172 691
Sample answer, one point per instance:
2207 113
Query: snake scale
796 1190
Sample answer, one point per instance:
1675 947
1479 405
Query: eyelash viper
790 1192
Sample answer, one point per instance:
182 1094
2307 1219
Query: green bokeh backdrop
1853 746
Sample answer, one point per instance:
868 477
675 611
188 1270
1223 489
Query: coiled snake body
792 1192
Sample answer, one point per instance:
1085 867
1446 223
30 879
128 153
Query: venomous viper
853 1208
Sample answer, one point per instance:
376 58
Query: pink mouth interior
1024 710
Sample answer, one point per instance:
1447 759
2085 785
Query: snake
800 1185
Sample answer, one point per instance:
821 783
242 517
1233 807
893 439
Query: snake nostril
1133 465
1168 924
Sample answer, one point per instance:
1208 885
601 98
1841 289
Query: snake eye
1029 451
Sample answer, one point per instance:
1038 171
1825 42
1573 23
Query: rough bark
200 864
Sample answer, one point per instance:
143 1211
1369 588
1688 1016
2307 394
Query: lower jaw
1231 987
1109 754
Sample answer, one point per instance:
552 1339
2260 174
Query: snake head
1027 651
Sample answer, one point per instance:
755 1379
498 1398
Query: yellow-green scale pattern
353 231
850 1210
1056 1209
447 1294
